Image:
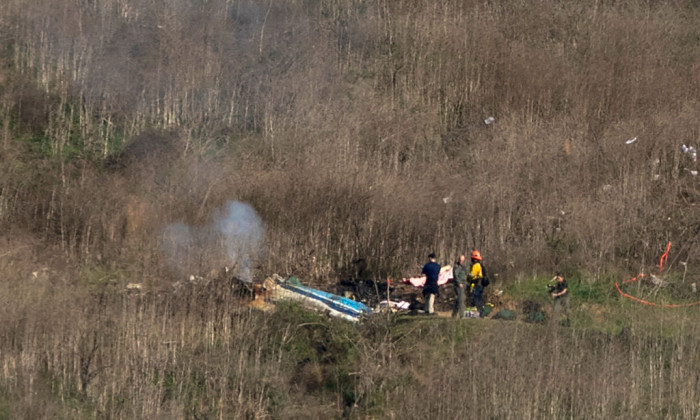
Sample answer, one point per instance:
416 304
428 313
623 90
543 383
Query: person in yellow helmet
475 272
477 282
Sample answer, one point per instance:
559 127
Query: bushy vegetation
355 129
195 355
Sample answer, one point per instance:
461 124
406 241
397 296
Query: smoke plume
243 233
233 239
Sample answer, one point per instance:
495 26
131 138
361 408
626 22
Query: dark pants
477 298
478 302
561 307
430 292
458 311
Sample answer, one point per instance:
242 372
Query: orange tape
646 302
663 258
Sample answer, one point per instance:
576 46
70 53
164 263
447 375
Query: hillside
145 142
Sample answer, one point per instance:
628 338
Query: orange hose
646 302
663 258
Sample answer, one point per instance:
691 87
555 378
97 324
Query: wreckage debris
394 305
399 297
657 281
218 281
42 274
365 291
336 306
262 294
690 150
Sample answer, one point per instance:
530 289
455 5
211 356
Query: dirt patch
595 310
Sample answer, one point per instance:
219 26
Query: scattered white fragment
657 281
446 200
41 274
392 304
630 141
692 172
489 120
691 151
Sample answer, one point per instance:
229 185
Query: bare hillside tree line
357 131
357 128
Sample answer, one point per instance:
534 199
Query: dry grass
345 125
71 352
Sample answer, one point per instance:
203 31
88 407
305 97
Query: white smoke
234 239
243 233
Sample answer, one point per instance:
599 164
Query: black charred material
366 291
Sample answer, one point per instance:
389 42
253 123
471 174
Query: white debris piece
630 141
658 281
690 150
446 200
42 274
489 120
692 172
392 304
